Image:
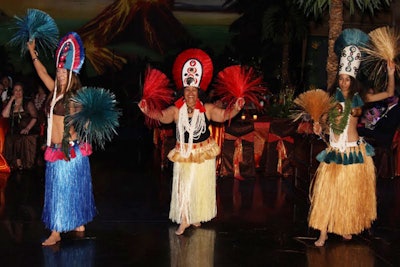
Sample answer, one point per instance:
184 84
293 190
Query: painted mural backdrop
115 31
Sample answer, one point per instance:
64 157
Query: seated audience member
20 144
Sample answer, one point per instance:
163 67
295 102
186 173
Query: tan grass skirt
343 197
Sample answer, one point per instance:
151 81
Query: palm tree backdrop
335 22
269 34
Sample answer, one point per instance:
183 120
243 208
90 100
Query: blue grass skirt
68 200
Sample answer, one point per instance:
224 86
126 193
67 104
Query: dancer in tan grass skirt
342 193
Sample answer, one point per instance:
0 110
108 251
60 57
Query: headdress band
350 61
347 48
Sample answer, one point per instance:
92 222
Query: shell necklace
195 127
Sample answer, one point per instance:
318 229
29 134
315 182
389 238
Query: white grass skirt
193 192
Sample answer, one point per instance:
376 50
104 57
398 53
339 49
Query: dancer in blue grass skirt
69 202
77 117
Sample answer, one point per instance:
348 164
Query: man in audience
383 132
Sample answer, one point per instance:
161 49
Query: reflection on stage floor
261 221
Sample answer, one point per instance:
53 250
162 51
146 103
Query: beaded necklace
195 127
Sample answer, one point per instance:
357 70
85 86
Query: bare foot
182 228
347 237
197 225
53 239
79 234
321 241
80 229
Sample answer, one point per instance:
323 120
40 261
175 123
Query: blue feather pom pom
37 25
98 115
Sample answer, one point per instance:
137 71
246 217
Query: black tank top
203 136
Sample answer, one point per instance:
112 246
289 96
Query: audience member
1 92
7 91
383 132
20 146
39 99
371 115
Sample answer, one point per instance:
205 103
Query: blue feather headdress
97 118
347 48
350 37
37 25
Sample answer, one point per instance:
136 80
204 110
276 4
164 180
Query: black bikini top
59 107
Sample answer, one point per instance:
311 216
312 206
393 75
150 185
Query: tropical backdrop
289 41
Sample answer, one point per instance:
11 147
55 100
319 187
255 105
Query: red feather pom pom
157 94
239 81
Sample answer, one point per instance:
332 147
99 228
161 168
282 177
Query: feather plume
239 81
157 93
97 117
37 25
383 46
350 37
314 103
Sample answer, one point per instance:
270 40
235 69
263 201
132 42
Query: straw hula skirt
193 195
343 199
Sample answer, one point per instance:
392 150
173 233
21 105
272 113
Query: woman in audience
21 138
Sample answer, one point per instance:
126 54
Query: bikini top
59 108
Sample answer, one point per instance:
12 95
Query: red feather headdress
238 81
157 94
192 63
70 53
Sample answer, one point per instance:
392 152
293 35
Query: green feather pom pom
37 25
97 117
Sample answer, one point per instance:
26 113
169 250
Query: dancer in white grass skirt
193 198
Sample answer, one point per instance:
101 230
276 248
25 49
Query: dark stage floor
263 224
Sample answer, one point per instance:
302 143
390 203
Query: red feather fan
157 95
238 81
